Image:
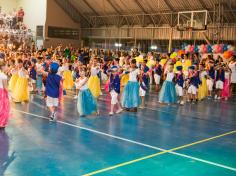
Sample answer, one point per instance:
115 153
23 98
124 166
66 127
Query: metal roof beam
114 7
144 11
203 4
94 11
169 5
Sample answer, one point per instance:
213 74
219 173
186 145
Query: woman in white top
4 100
131 99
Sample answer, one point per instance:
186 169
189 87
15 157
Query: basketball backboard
192 20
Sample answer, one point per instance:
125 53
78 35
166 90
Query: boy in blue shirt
52 89
114 89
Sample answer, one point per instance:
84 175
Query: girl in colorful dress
180 84
168 92
39 78
93 81
125 77
202 90
4 100
130 98
14 76
86 104
20 93
232 66
226 88
68 82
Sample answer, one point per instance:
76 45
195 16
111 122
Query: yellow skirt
20 92
94 86
68 82
12 82
203 90
124 79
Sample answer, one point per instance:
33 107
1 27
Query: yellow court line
156 154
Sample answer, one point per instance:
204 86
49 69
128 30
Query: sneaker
219 98
75 97
53 117
119 111
226 99
181 103
178 101
111 113
141 107
215 97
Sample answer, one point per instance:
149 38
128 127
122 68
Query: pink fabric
61 91
226 90
107 86
4 107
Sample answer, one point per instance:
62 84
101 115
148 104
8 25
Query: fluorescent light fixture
153 47
118 44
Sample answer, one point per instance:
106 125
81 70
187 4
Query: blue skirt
86 103
39 82
130 98
168 93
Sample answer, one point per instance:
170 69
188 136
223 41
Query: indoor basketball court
70 71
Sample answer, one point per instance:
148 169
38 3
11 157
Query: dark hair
19 61
133 61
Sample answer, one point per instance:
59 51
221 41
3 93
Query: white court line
132 141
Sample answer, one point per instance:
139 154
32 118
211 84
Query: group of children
127 82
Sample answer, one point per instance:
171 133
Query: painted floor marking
163 151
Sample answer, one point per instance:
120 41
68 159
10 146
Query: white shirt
203 74
232 67
82 82
2 77
133 75
94 71
170 76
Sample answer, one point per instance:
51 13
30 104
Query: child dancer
52 89
194 82
39 78
202 90
77 75
220 78
168 93
86 104
20 93
210 78
33 75
114 89
14 76
94 82
180 84
68 82
4 100
157 75
226 89
131 99
144 82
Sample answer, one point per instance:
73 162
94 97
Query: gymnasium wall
58 18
